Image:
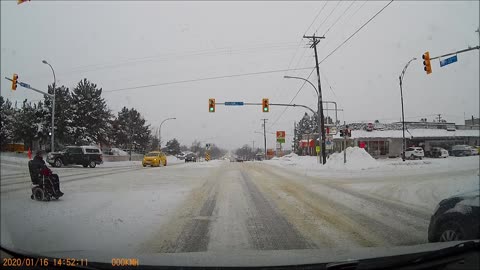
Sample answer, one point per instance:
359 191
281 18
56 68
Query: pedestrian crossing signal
211 105
265 105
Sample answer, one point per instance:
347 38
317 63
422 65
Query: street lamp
320 119
403 114
53 106
160 132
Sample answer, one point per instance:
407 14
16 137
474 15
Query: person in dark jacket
42 169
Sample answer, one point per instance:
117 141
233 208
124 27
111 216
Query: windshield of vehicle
270 130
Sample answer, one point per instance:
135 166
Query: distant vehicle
239 160
79 155
461 150
474 151
414 153
191 157
181 156
438 152
154 159
456 218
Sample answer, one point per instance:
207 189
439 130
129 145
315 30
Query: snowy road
214 206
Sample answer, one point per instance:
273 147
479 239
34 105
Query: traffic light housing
426 62
211 105
341 133
14 81
265 105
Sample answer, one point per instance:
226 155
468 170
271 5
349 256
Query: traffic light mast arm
31 88
457 52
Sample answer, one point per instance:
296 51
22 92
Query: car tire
85 165
58 163
450 231
92 164
144 165
165 163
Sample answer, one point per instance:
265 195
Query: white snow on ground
113 211
418 182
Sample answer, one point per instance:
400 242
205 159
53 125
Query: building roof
412 133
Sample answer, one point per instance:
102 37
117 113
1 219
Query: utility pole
439 117
253 149
294 137
321 120
265 137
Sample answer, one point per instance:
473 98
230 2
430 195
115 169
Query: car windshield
200 133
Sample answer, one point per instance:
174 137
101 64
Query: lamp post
53 106
403 113
160 132
319 115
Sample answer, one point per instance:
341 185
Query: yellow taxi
154 158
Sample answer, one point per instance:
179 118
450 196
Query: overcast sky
121 44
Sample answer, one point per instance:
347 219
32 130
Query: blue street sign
447 61
234 103
26 85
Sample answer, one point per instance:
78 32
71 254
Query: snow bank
357 159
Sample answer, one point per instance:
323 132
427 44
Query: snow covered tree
90 116
173 147
130 130
63 116
217 152
7 119
26 124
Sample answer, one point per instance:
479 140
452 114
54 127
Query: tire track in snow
268 229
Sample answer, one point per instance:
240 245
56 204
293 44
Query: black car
190 157
456 218
78 155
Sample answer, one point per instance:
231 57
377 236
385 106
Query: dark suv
191 157
78 155
456 218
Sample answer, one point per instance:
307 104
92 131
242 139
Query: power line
326 18
340 17
203 79
343 43
315 17
334 52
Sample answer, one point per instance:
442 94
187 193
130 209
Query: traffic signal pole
265 137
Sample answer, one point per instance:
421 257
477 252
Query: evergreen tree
173 147
26 126
7 118
130 130
63 116
90 114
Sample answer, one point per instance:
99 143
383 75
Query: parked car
191 157
456 218
78 155
473 151
438 152
154 159
461 150
181 156
414 153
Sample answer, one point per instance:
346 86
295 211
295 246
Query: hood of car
250 258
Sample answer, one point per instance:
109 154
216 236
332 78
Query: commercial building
385 140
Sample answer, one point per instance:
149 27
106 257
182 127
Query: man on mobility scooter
46 184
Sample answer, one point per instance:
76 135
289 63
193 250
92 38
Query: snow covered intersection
289 203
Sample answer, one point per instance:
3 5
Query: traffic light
211 105
426 62
341 133
14 81
265 105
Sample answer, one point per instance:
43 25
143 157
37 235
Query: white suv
414 153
